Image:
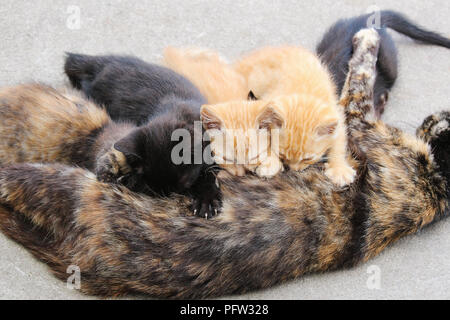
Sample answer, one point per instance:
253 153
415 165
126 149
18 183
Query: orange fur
305 96
215 79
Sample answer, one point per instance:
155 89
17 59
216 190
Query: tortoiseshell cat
41 124
270 231
335 49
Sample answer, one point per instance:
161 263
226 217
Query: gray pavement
35 34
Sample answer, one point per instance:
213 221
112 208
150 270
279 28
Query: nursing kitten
131 89
135 91
301 102
270 231
242 138
41 124
216 80
335 49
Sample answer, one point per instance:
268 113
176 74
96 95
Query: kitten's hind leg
357 94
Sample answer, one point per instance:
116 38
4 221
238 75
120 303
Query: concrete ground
35 34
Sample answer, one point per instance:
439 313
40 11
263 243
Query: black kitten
135 91
335 49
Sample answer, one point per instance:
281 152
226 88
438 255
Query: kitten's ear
327 129
129 146
209 118
251 96
270 118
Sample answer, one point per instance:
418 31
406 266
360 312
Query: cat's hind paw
340 175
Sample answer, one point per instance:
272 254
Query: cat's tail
210 72
81 69
403 25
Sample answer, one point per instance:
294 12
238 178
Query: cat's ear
129 147
209 118
270 118
251 96
327 129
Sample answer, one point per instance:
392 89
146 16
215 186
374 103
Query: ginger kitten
242 136
304 96
300 100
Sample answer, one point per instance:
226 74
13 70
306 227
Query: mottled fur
335 48
41 124
270 231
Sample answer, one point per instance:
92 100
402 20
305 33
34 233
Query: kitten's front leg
338 169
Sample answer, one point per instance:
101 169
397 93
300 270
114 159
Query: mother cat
269 231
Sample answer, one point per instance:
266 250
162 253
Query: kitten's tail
81 69
401 24
211 73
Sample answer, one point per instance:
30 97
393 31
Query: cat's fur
301 102
270 231
299 99
135 91
216 80
237 137
335 49
131 89
41 124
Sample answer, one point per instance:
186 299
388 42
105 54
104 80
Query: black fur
335 49
142 93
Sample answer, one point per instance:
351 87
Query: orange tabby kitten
210 73
305 98
242 136
298 97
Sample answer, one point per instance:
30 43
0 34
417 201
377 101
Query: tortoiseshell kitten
269 231
41 124
335 49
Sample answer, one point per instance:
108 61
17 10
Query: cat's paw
269 168
366 39
340 175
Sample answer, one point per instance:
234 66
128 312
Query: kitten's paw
207 201
340 175
269 168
